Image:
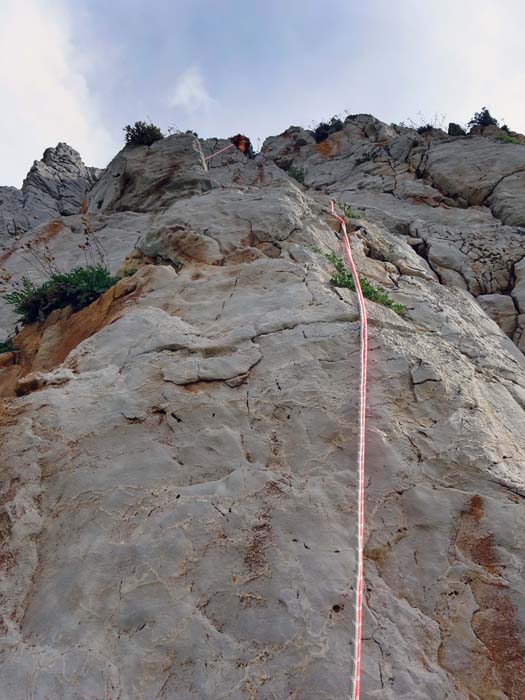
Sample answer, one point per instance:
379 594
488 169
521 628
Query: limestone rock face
284 148
471 168
178 492
54 186
518 291
232 168
13 218
501 309
117 233
145 178
519 335
461 198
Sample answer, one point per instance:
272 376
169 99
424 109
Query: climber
244 145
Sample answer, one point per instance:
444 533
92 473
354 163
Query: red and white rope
356 676
226 148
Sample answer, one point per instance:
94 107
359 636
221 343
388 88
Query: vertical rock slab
145 178
53 187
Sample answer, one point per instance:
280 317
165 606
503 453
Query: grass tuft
296 173
507 139
343 278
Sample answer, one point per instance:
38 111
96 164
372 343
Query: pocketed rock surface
178 491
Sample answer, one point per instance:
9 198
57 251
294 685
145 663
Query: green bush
77 288
296 173
7 346
425 129
323 130
483 118
507 139
349 212
142 134
343 278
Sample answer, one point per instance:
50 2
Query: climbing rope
226 148
356 676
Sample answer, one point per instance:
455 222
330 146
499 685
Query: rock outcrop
458 201
145 178
178 497
53 187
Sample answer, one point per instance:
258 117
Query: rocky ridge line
54 187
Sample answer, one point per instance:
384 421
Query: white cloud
453 60
190 91
45 98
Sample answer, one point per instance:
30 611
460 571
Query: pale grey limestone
179 497
55 186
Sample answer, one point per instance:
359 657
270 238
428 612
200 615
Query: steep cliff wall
178 469
54 186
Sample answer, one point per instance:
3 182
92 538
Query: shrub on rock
77 288
142 134
482 119
343 278
323 130
296 173
6 346
425 129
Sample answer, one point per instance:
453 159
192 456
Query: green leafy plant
349 212
483 118
323 130
142 134
507 139
77 288
343 278
425 129
296 173
7 346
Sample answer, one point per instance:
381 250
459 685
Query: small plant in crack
349 212
343 278
297 174
170 262
508 139
7 346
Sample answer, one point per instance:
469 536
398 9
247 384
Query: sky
80 70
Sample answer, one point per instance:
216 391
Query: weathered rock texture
54 186
178 459
144 178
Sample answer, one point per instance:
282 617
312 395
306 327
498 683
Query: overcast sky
79 70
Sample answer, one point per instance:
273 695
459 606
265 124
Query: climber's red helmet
243 143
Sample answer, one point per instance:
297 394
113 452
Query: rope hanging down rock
356 675
226 148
